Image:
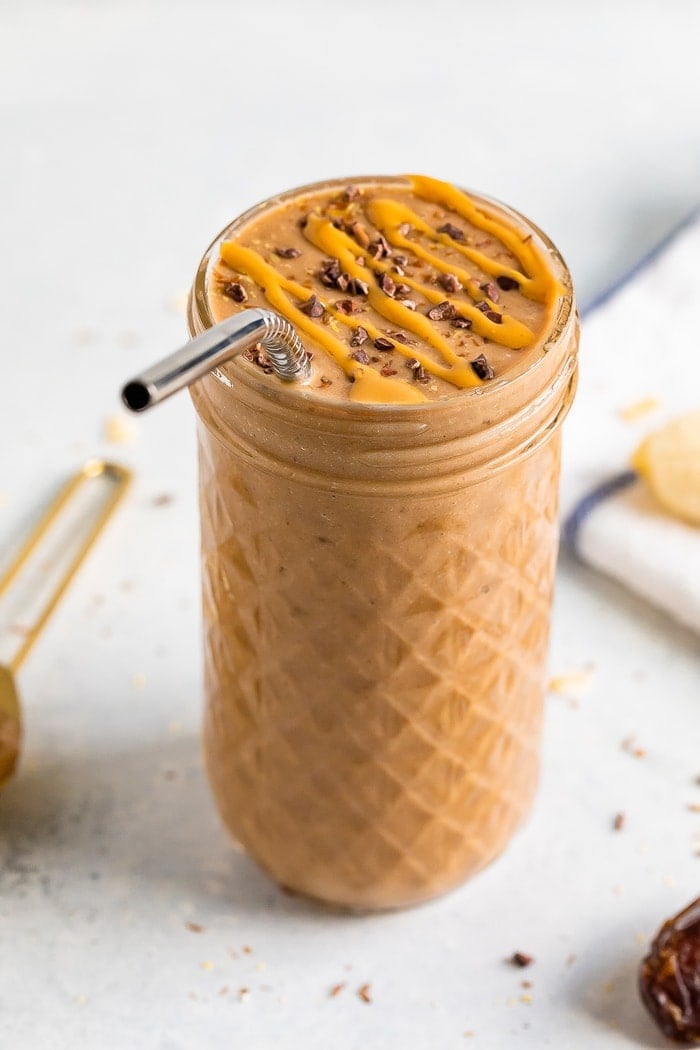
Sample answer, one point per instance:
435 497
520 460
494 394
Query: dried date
669 976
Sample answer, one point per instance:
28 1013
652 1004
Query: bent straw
223 341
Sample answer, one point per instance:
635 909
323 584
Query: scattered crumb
694 807
126 585
84 336
628 745
169 774
163 500
224 990
527 999
261 967
521 959
570 959
364 992
618 891
18 629
609 987
194 927
619 821
138 680
207 965
178 304
526 984
120 430
337 989
668 880
80 1000
469 1034
243 994
247 950
573 684
641 938
639 408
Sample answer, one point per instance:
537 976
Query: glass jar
377 584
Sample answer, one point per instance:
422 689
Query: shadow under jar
377 584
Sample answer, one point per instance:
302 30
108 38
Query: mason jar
377 585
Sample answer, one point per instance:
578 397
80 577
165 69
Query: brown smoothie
392 288
379 543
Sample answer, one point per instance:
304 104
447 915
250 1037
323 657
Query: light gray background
130 134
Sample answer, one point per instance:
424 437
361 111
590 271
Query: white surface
639 349
131 133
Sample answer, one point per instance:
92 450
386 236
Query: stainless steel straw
223 341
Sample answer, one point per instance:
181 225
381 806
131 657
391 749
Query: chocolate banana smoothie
379 543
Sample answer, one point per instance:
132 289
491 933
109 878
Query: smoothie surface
404 289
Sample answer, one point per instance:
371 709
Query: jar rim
200 317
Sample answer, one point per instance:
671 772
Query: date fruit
669 976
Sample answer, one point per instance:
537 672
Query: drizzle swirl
402 228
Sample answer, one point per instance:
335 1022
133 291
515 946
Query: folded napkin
639 368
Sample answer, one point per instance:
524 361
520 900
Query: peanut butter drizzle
534 279
324 235
542 286
368 386
388 216
509 333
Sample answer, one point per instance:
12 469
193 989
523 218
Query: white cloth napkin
640 343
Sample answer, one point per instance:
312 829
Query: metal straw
223 341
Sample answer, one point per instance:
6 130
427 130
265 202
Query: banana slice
669 461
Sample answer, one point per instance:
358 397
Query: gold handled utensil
48 559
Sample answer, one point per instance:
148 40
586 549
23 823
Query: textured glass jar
377 587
